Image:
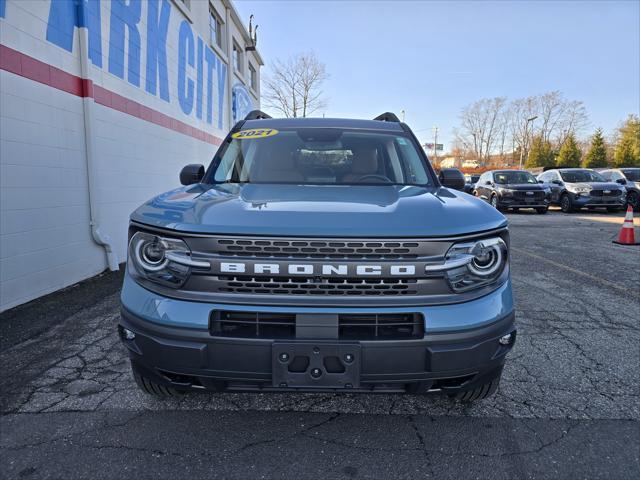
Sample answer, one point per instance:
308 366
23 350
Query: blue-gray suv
318 255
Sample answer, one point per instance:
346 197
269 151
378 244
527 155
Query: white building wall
140 140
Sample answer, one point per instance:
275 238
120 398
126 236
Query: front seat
364 162
276 164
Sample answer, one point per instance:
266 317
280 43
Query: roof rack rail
387 117
256 115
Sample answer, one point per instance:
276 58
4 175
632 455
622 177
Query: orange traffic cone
627 235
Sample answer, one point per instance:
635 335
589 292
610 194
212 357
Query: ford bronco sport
318 255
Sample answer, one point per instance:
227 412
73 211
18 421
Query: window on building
237 57
253 77
216 28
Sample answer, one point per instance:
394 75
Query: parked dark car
576 188
630 178
513 189
470 181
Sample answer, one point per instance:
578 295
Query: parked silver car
576 188
630 178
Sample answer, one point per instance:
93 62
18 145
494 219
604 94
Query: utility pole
435 144
526 133
402 114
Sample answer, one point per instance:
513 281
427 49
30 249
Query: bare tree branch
294 87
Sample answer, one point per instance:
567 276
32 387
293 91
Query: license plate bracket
316 365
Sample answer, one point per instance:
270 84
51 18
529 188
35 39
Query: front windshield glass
577 176
632 174
514 177
319 156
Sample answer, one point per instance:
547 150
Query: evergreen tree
627 152
597 155
540 155
569 154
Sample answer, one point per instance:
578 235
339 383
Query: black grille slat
522 194
402 326
296 249
329 286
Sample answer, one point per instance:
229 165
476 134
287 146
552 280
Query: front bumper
582 200
174 346
511 202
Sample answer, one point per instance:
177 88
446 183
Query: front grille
298 248
400 326
381 327
323 286
537 194
601 193
253 324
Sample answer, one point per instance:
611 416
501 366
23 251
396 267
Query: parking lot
568 405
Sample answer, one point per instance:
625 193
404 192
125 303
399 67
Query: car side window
614 176
608 175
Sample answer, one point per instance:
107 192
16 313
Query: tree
597 154
480 126
540 154
569 154
627 151
294 87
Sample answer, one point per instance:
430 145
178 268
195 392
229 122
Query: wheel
155 389
542 210
494 201
479 393
614 209
566 204
632 199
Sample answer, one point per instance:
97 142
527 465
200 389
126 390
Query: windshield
577 176
319 156
632 174
502 178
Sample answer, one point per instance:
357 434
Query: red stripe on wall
21 64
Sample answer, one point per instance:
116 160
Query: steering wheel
379 177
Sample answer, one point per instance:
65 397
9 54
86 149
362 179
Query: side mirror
451 178
488 182
191 174
540 181
556 182
621 181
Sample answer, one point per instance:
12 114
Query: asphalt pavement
568 405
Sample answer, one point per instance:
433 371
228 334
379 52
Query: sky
431 59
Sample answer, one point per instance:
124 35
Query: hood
522 186
319 210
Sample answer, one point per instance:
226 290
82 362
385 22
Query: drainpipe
99 236
229 90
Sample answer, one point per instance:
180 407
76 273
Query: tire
485 390
633 200
494 201
155 389
542 210
566 204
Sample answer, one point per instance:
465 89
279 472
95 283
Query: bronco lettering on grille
327 270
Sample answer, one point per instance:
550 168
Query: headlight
505 191
162 260
581 189
474 264
547 191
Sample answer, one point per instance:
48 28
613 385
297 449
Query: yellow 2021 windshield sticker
254 133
